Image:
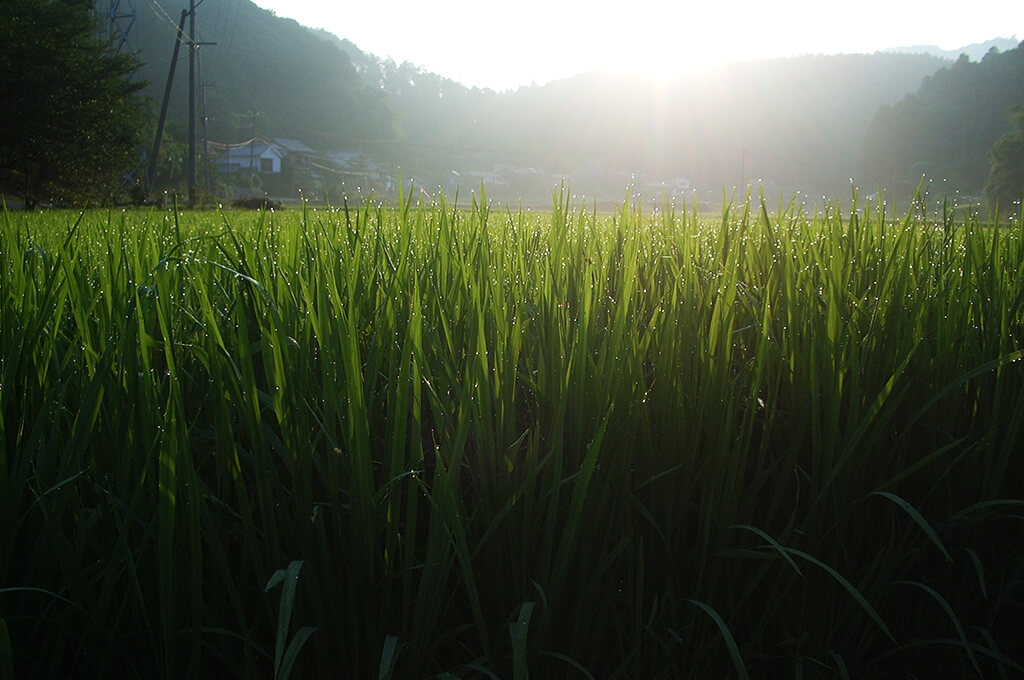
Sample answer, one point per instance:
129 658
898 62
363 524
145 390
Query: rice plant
504 444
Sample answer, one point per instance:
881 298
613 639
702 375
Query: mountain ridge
974 51
796 124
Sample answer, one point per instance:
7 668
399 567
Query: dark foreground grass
486 444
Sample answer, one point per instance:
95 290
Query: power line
164 19
162 14
160 8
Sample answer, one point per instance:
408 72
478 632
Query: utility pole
193 46
151 174
191 103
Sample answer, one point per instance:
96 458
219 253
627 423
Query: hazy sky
506 44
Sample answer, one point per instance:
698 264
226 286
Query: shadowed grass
504 444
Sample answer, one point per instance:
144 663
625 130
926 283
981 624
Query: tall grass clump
501 444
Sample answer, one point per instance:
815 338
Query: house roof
292 145
254 150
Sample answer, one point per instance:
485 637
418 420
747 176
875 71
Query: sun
665 53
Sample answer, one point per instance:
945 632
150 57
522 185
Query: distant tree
1006 170
947 128
69 117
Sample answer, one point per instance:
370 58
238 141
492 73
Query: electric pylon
120 22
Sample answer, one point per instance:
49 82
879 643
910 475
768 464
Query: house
273 157
283 167
298 157
252 156
292 146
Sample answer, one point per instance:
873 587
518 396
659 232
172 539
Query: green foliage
1005 186
272 77
504 444
946 128
284 658
67 107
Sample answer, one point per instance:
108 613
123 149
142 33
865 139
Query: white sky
505 45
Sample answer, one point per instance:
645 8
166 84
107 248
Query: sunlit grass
643 444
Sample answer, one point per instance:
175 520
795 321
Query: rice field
439 441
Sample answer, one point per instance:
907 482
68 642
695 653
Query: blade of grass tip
572 662
840 664
995 648
518 630
543 595
388 656
288 660
773 543
918 519
860 599
480 669
952 617
978 569
986 505
730 643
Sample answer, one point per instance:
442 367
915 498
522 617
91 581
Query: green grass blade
918 519
730 643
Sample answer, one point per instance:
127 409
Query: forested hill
795 124
266 76
792 123
945 129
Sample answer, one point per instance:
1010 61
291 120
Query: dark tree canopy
69 116
1005 184
946 128
269 77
